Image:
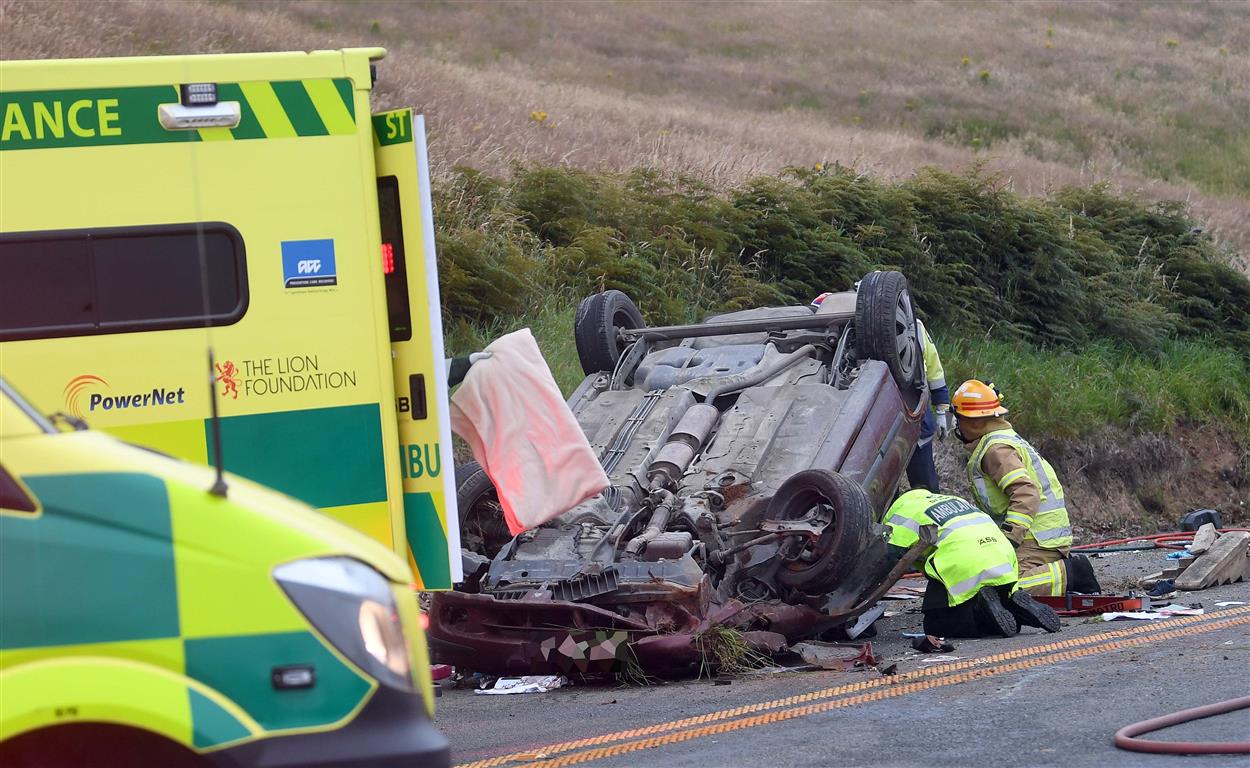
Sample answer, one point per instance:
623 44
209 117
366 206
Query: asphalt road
1034 699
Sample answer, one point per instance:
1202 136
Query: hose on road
1125 737
1172 540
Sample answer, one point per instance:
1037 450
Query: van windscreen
394 263
120 280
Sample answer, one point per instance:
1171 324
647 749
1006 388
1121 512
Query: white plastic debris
527 684
1176 609
1227 603
1165 612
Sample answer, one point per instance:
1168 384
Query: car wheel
482 527
842 506
595 326
885 328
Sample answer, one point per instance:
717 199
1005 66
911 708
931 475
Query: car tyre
834 555
885 328
482 527
595 327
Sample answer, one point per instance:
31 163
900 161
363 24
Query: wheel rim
905 334
621 321
800 555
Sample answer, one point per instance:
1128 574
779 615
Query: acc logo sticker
308 263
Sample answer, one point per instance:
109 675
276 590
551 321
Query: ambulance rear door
405 211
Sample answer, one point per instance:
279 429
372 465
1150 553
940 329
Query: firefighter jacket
1018 488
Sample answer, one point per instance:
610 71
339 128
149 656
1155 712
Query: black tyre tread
471 482
875 302
852 520
594 329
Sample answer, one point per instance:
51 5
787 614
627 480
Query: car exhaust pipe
659 521
674 457
683 443
757 375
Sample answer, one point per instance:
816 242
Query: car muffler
683 443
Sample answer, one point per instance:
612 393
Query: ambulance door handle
416 396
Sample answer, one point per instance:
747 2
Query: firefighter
1020 490
921 471
971 567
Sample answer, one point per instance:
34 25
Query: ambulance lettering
84 118
421 460
395 127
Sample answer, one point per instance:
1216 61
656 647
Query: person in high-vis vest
970 565
1020 490
921 471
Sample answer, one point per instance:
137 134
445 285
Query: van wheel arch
100 745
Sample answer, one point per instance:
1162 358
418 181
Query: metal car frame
751 458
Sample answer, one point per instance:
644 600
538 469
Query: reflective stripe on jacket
939 393
933 372
970 553
1049 526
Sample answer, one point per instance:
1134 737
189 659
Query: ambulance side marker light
176 117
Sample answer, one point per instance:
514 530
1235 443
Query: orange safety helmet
977 400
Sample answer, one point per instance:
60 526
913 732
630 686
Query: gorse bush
1088 309
1085 265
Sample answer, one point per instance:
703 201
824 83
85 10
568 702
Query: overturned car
751 458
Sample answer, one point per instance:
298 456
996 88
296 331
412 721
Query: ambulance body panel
133 599
261 242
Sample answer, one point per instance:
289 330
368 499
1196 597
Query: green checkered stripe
116 116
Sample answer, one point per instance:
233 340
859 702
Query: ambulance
155 613
156 210
222 260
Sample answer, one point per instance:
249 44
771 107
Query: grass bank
1052 393
1089 309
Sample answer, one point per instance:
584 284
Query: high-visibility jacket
1049 524
970 553
939 393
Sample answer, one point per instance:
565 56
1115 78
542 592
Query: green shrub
1119 303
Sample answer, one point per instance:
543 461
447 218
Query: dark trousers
963 620
921 471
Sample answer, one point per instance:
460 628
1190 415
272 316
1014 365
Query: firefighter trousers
1042 571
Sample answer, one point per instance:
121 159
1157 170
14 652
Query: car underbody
750 459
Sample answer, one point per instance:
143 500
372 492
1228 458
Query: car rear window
120 280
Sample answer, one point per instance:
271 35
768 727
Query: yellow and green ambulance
154 209
150 616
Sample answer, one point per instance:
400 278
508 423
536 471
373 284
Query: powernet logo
308 263
89 393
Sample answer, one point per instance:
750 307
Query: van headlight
353 607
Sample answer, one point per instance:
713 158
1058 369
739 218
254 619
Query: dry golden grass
1152 96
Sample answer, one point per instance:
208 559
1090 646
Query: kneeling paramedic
1013 484
971 568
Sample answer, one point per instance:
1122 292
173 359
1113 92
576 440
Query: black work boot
993 614
1031 613
1081 575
